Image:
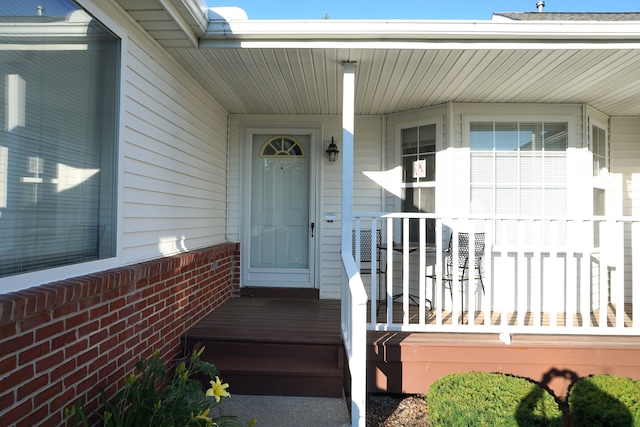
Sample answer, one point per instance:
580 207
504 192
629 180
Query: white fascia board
478 34
190 16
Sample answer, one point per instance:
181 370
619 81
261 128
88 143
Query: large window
58 83
419 172
519 168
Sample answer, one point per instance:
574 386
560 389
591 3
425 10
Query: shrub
489 399
605 400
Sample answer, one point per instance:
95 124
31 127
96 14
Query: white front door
282 229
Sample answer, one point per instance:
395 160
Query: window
58 80
282 146
600 167
518 168
418 176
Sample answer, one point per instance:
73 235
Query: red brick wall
67 340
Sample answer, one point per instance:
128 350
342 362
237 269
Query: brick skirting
67 340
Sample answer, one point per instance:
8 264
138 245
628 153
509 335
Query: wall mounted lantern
332 151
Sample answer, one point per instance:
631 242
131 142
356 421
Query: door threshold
275 292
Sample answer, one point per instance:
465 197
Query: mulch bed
397 411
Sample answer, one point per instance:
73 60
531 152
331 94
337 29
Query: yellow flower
218 390
202 415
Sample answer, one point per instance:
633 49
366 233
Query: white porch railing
539 276
354 334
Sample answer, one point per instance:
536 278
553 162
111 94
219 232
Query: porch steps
274 346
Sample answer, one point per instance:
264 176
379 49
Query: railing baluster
586 240
572 270
422 266
604 282
389 286
438 299
471 271
487 274
635 276
536 271
405 271
521 281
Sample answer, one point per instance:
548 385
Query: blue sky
415 9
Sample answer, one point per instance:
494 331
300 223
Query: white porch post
358 359
348 100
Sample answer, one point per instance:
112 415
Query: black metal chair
463 262
365 251
366 263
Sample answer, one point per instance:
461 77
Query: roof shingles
570 16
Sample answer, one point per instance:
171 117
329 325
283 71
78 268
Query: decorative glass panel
282 146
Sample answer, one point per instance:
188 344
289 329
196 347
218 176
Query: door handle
313 226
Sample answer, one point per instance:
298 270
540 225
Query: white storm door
280 245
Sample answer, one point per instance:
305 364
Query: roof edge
359 30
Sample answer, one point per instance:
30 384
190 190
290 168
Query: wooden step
277 368
281 376
274 346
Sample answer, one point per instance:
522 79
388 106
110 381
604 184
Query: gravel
397 411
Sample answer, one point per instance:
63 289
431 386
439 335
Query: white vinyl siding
624 197
174 155
175 161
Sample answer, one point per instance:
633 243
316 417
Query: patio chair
365 253
463 262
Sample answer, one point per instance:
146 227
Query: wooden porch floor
511 318
272 319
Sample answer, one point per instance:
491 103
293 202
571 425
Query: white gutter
189 15
366 33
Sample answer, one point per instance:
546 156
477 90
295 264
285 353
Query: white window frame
26 280
402 186
568 119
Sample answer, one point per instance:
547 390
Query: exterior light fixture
332 151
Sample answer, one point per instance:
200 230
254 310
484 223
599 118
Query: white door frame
247 132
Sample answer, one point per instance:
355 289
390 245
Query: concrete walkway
288 411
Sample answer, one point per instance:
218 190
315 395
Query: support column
348 101
358 338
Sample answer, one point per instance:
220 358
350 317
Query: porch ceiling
309 81
294 67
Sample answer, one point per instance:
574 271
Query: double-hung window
599 153
59 71
419 174
518 168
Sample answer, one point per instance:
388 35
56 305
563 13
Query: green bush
489 399
605 400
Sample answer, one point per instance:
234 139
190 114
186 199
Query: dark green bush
605 400
489 399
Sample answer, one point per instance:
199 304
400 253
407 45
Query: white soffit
294 67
